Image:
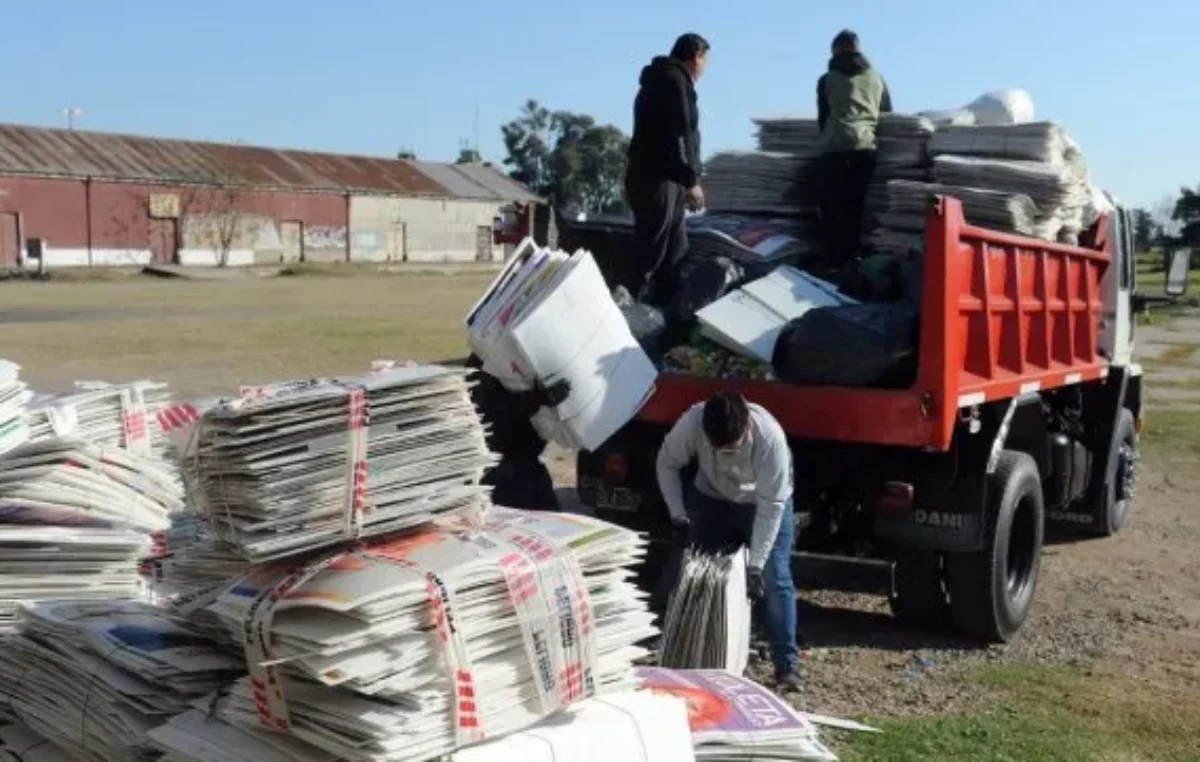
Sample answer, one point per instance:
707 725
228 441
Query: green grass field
206 337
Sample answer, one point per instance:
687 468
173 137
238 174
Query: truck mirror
1178 265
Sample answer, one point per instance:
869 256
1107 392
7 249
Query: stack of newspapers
758 182
94 677
736 720
115 415
411 647
14 396
708 615
78 518
300 466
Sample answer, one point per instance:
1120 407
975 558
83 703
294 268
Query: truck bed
1001 315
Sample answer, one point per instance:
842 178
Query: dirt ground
1127 606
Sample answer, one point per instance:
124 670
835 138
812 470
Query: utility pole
70 113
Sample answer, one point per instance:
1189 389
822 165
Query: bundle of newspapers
19 743
708 615
909 202
736 720
1038 160
798 136
410 647
549 316
902 155
78 519
94 677
115 415
14 396
758 182
301 466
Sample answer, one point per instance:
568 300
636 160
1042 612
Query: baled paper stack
123 415
18 743
413 646
758 182
798 136
95 677
1038 160
14 396
708 615
198 736
550 316
78 518
736 720
302 466
902 155
909 202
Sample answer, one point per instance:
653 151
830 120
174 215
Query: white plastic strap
358 425
564 597
133 420
265 683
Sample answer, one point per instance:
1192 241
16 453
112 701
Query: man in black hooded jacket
663 178
851 96
520 479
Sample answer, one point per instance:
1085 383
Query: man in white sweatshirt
742 495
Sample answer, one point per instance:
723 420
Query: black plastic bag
850 345
646 323
700 281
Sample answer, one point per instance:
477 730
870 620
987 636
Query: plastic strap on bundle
468 722
358 425
265 682
133 420
564 594
63 418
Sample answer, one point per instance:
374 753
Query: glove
555 394
756 586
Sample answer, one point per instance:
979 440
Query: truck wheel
1117 496
919 599
991 590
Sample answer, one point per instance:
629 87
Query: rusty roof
48 152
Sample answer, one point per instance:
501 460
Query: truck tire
919 599
991 590
1112 510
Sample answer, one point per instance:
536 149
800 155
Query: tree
1187 216
1146 232
568 157
212 218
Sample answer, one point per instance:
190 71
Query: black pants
660 238
522 482
845 178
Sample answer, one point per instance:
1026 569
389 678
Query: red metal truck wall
123 232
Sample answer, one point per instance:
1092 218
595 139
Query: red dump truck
1024 412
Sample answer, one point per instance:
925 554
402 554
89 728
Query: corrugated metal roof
51 152
475 181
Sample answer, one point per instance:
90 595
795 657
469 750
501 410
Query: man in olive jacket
851 96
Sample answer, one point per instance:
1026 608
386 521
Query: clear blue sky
370 76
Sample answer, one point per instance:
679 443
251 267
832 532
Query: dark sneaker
788 681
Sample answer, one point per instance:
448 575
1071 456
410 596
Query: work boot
787 680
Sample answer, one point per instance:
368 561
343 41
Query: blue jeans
719 526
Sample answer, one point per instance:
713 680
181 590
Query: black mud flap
950 520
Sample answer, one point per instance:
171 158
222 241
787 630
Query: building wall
384 228
102 223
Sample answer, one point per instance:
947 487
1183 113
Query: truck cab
1023 415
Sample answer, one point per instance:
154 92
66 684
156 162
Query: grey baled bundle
908 204
1043 142
801 137
302 466
708 616
758 182
903 141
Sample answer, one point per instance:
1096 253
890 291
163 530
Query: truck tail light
896 497
616 469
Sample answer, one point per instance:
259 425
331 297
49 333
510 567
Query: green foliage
1187 214
567 157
